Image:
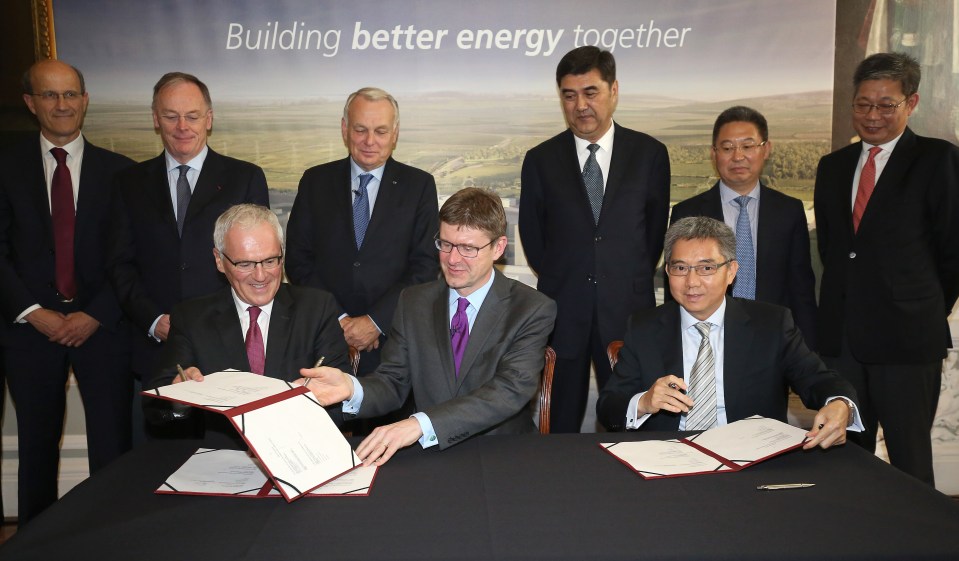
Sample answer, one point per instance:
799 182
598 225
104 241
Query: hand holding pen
667 394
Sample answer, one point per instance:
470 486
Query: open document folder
290 433
730 447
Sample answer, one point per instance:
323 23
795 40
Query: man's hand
75 329
384 441
191 373
162 329
666 393
361 332
329 385
46 321
829 426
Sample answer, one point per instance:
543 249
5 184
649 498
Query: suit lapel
670 339
568 154
765 231
891 179
618 166
90 180
159 191
281 331
386 200
36 189
207 185
227 324
489 316
738 340
441 325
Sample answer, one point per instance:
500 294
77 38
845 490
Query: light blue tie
745 285
361 210
593 179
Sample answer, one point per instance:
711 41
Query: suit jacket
783 263
151 266
890 287
499 374
397 250
764 353
572 256
205 332
27 261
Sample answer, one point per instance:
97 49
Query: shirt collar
242 306
356 171
886 148
74 148
478 296
727 195
717 319
196 163
605 142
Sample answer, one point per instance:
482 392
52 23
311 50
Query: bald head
55 92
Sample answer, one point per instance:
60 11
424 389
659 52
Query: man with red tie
258 324
887 216
58 309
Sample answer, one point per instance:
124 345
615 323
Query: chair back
612 353
546 390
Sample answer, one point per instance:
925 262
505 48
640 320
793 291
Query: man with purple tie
470 347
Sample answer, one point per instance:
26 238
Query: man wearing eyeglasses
259 324
772 237
708 359
887 218
164 210
470 347
58 308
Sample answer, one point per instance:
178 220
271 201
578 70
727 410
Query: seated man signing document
470 346
709 359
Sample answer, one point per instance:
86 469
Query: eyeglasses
464 249
704 270
268 264
53 97
174 118
748 148
885 109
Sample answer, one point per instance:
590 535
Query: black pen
675 386
319 363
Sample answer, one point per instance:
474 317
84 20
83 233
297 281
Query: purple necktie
459 332
254 343
63 216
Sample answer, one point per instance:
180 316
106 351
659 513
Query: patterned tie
867 182
702 385
254 343
593 179
459 332
64 218
745 286
361 210
182 197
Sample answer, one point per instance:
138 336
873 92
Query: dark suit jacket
764 353
205 332
571 255
397 250
152 268
499 374
783 263
890 287
27 261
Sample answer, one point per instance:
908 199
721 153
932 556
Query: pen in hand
319 363
180 373
675 386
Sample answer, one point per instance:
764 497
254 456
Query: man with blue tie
772 237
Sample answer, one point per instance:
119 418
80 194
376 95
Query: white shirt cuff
633 420
426 425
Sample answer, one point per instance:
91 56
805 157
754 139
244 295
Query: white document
223 390
727 448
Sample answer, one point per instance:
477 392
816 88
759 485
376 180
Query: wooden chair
354 359
546 390
612 353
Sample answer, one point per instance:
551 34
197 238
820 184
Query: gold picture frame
44 36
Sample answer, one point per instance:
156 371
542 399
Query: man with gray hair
708 359
258 324
362 227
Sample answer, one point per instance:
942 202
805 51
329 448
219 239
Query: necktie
459 332
182 197
745 286
254 343
64 218
702 385
593 179
361 210
867 182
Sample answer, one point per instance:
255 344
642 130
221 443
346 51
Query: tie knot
364 181
593 148
703 328
461 305
59 154
254 313
742 201
874 151
183 169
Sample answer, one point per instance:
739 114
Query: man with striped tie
706 359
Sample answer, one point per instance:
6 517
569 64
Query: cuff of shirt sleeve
856 424
153 326
353 404
429 435
22 318
633 419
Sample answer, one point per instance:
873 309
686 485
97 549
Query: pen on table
180 373
675 386
778 486
319 363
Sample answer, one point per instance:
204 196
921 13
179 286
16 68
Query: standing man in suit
708 359
258 324
887 214
593 209
164 210
59 310
362 227
772 238
470 347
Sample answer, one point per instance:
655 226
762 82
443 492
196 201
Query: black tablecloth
512 498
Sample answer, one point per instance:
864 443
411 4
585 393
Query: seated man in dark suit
734 357
470 346
258 324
